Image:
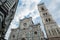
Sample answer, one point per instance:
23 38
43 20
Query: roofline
40 4
25 18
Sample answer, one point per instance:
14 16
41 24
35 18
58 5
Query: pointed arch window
45 14
48 20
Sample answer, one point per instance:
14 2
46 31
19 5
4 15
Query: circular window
35 32
25 24
42 8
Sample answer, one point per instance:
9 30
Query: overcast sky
28 8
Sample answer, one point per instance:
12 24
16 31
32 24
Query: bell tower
51 27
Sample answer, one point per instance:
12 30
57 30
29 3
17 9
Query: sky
28 8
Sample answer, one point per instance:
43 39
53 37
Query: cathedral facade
27 31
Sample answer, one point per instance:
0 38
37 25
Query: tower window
35 32
23 39
48 20
54 32
45 14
